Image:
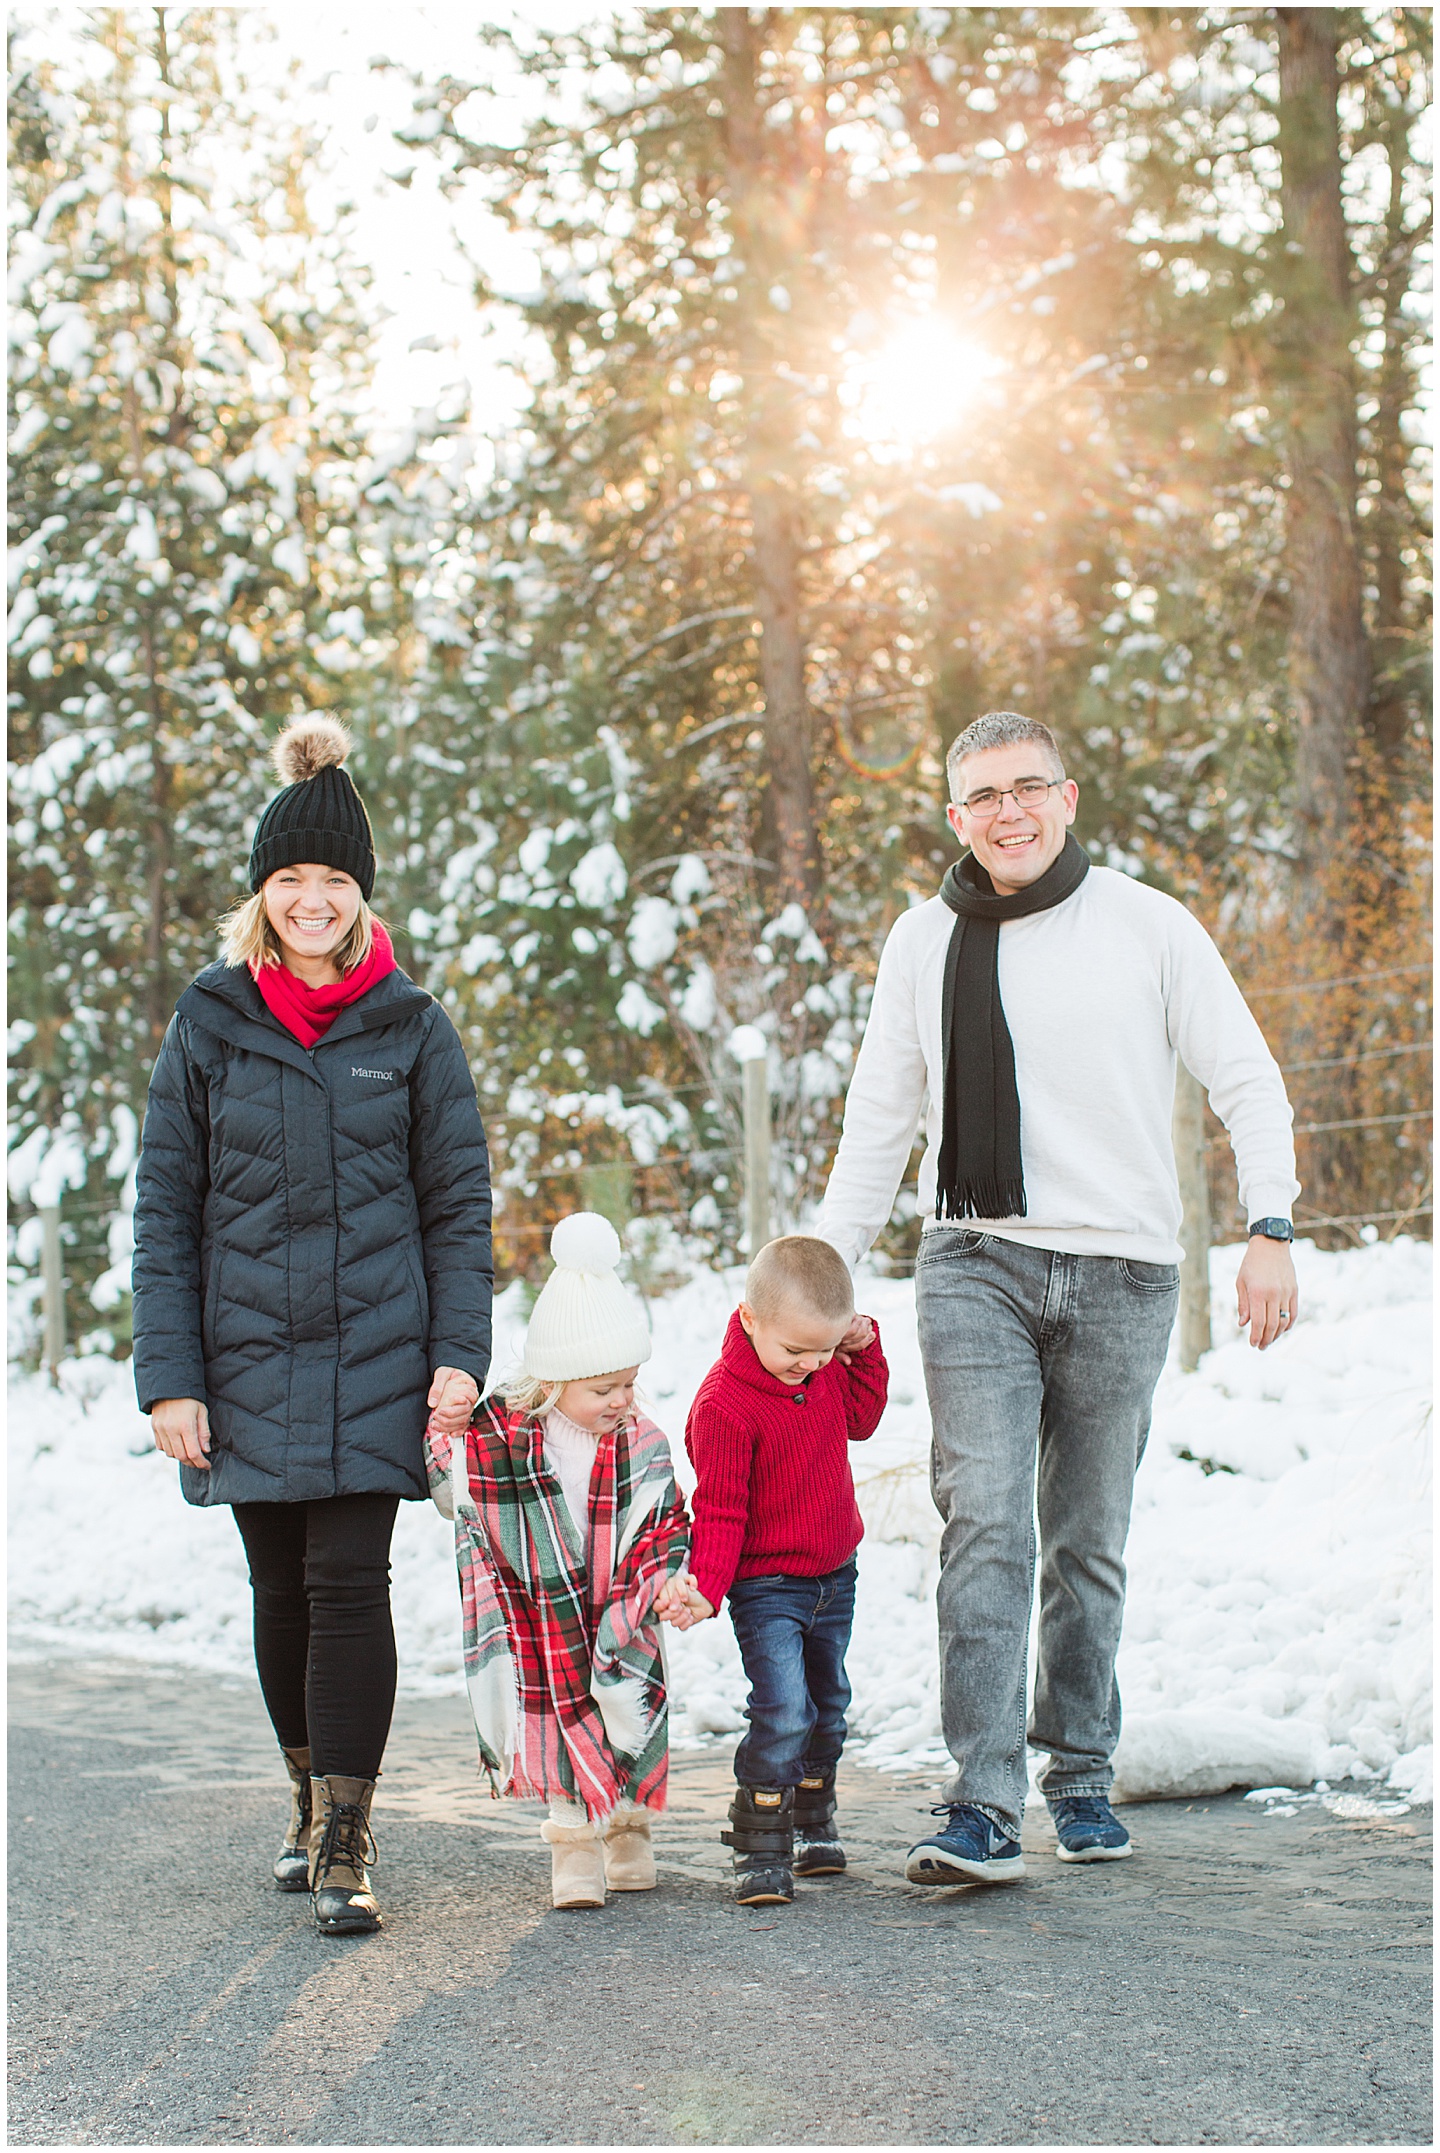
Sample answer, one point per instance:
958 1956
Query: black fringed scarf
980 1173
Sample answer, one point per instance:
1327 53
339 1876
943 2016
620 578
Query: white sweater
1100 994
570 1456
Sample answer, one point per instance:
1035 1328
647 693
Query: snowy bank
1278 1627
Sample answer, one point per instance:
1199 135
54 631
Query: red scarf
309 1012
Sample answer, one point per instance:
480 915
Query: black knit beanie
320 816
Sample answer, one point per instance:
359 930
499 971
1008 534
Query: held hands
856 1339
678 1602
438 1447
1266 1292
453 1398
181 1427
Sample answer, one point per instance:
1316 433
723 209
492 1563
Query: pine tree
1295 293
779 618
656 540
203 545
782 619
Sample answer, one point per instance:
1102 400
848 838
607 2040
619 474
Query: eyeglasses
1031 792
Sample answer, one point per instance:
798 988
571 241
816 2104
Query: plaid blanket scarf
563 1665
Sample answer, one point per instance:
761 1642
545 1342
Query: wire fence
514 1183
1365 1218
1328 986
1321 1128
1358 1061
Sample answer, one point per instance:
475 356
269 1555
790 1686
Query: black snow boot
763 1837
818 1851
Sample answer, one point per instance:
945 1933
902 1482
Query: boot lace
346 1840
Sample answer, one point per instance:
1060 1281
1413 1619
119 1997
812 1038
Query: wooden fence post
748 1045
757 1152
52 1287
1188 1134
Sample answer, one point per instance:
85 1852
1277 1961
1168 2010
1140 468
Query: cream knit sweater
570 1456
1100 994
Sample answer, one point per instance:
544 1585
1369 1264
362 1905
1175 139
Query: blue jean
1028 1351
792 1633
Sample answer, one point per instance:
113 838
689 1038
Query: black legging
324 1642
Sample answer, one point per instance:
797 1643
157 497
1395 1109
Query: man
1034 1011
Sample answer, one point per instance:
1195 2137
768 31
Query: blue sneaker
1088 1829
970 1849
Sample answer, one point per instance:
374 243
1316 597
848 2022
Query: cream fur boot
577 1863
629 1861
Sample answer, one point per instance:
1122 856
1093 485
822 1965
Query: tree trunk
1328 656
159 1001
1390 526
789 837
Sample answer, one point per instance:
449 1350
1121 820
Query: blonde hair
531 1394
800 1267
247 937
536 1394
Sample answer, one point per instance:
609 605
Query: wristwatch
1273 1229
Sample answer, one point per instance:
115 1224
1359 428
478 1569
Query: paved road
1241 1981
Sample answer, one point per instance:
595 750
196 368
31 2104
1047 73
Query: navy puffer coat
312 1238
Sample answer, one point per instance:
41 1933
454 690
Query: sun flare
922 382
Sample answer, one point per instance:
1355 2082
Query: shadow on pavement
1243 1980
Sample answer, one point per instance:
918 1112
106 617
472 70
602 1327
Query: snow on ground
1278 1623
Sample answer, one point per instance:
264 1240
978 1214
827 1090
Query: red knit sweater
774 1490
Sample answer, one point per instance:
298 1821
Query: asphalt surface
1243 1980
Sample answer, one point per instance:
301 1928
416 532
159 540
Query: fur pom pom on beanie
584 1323
319 817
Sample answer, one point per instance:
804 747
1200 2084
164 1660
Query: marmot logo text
373 1072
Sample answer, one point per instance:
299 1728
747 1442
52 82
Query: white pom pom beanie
584 1323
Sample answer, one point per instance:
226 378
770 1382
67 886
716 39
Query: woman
312 1277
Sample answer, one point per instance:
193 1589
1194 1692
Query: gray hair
1000 729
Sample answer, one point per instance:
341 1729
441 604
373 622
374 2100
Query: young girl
569 1531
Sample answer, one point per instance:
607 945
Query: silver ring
1284 1315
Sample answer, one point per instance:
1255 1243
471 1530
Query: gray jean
1027 1348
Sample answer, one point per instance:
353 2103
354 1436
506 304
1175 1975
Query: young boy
800 1377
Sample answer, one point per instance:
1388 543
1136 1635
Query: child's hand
671 1602
437 1468
453 1398
678 1602
860 1334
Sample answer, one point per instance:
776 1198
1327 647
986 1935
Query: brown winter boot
340 1845
577 1863
292 1863
629 1860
